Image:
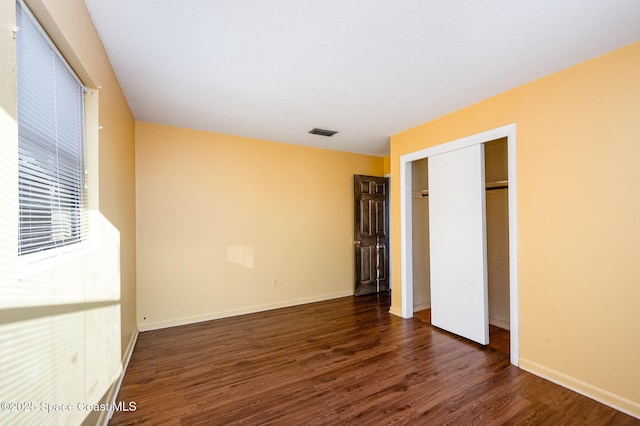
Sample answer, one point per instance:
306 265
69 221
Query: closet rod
501 184
497 187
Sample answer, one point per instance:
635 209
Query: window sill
43 261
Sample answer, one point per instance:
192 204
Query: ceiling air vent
322 132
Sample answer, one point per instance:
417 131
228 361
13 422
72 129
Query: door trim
406 251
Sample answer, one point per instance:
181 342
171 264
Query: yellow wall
578 219
66 324
220 217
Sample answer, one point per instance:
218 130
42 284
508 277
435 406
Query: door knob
356 242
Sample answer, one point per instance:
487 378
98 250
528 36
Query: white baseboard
499 322
421 306
240 311
618 402
396 312
115 388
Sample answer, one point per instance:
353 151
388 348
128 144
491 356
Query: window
51 142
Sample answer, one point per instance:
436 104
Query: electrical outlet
274 282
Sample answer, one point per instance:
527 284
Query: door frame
406 225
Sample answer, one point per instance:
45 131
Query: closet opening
497 241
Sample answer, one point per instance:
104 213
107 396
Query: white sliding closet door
458 243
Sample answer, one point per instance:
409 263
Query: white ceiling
368 69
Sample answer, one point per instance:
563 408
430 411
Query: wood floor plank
339 362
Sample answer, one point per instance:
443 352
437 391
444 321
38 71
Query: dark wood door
371 234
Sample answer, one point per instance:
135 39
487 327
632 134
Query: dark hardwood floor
343 361
499 339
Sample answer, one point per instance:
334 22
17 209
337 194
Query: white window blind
51 142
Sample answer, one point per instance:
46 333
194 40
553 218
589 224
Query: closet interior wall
497 220
420 221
